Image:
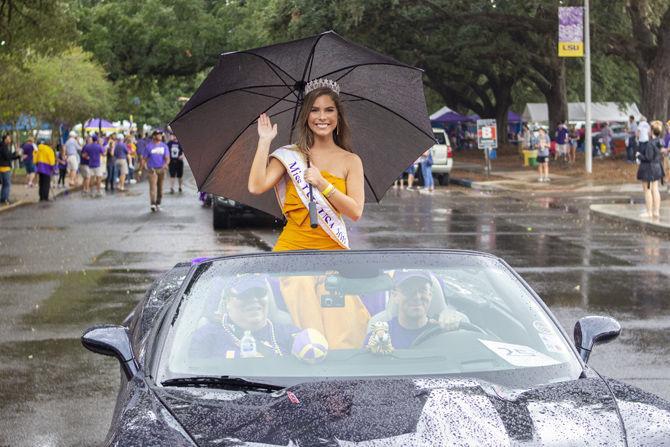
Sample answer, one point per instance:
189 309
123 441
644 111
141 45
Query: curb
472 184
460 182
19 203
16 204
614 217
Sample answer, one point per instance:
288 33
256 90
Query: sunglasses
258 293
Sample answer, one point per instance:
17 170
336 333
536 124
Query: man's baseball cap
248 286
156 132
403 275
94 138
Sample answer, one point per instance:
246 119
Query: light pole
588 152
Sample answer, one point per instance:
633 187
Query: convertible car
363 348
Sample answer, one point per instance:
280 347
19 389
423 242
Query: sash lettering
329 220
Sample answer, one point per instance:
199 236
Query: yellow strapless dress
343 327
298 234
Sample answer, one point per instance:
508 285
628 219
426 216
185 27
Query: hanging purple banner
571 31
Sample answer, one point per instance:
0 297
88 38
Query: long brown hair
305 135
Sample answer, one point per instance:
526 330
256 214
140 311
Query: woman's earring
336 127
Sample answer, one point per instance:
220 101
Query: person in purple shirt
28 148
561 141
244 309
92 152
413 294
156 156
140 144
121 158
84 170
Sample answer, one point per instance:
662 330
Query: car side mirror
594 329
114 341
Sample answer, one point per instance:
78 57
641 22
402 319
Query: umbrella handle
313 219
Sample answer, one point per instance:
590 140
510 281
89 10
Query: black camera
332 300
334 297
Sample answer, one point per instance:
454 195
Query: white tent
440 112
600 111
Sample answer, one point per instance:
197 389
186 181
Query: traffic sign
487 134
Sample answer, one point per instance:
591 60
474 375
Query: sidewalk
633 214
506 178
21 195
509 179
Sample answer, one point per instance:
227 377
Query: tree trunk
557 98
654 86
501 123
503 104
652 58
501 88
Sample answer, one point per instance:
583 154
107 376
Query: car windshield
288 318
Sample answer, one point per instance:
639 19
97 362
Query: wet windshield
292 318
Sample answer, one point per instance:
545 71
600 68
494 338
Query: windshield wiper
222 382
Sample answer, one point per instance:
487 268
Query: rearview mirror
594 329
112 340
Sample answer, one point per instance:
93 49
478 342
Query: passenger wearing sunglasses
243 320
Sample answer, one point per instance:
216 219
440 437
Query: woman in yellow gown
323 141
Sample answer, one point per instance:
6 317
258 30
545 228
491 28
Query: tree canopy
479 56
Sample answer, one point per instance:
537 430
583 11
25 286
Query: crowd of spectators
90 161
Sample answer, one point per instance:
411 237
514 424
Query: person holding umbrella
322 161
313 99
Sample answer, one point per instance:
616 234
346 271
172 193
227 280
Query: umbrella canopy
450 117
600 111
383 100
511 117
99 124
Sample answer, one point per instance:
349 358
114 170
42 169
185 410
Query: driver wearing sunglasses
412 294
243 313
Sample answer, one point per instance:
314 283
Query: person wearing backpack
650 171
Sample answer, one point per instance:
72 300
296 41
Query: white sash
295 166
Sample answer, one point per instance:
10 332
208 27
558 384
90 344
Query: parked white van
442 156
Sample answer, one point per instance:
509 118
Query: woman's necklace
272 344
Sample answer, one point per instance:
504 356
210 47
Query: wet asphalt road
78 261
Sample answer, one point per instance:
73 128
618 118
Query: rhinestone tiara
322 83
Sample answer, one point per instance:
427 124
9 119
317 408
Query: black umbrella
384 101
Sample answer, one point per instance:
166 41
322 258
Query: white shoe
154 207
